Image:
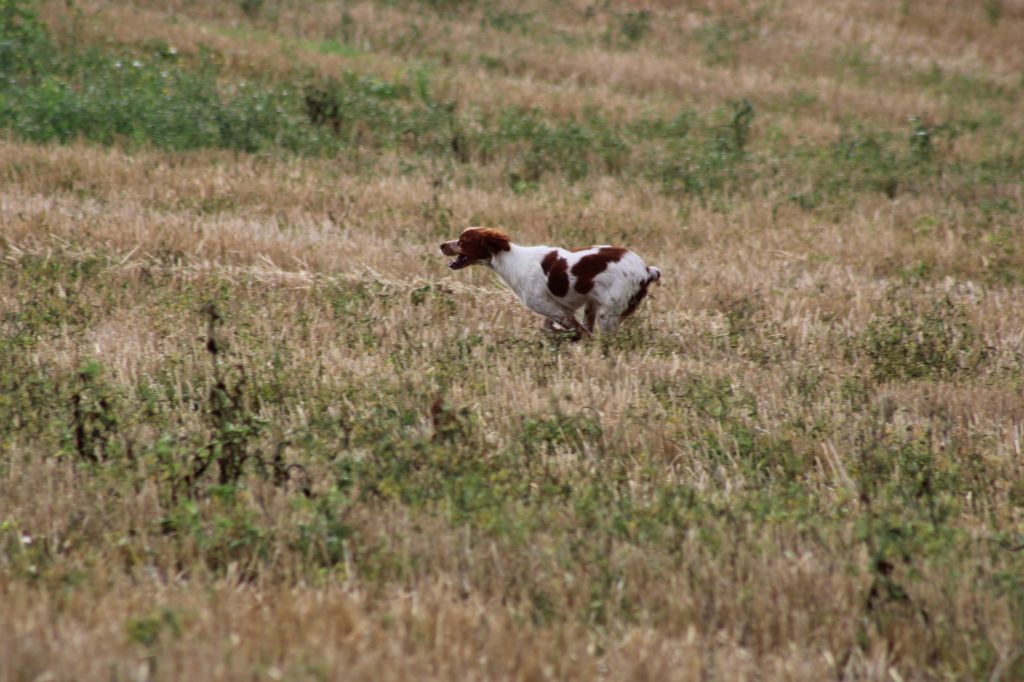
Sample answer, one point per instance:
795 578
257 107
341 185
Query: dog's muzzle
461 260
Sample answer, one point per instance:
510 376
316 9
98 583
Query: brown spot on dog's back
591 265
557 270
549 261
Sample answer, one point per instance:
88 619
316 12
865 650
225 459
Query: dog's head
475 245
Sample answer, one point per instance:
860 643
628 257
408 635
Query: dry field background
253 428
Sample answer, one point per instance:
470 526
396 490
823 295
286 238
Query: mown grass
233 416
249 428
57 91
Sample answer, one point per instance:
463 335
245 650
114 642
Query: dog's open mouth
459 262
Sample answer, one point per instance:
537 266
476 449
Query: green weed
507 19
704 160
148 630
909 343
251 8
720 39
94 416
633 27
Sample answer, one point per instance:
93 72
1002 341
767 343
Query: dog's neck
518 266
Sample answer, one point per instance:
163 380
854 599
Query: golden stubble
761 295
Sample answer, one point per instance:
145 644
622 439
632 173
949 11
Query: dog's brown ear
494 240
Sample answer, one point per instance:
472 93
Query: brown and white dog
607 281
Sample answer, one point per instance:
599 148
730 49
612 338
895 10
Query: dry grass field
251 427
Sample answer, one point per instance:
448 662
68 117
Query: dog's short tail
654 274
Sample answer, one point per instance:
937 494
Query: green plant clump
910 344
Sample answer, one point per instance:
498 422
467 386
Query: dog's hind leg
607 320
589 315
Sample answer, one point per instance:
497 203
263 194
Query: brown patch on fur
549 261
557 270
592 265
640 294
